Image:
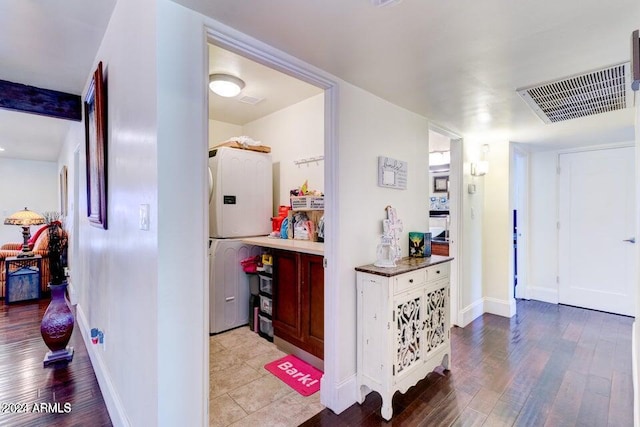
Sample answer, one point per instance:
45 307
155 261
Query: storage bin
265 304
266 284
266 326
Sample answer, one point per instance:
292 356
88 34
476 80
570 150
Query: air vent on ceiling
252 100
581 95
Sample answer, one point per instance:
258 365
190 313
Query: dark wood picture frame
441 184
64 191
95 111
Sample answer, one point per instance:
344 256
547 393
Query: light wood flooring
243 393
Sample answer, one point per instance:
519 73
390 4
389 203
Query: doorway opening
298 157
444 199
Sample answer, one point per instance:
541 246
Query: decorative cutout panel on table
436 323
409 332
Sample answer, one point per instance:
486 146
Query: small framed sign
392 173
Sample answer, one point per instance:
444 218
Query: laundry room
266 152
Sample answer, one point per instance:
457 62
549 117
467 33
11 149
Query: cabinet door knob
410 280
437 271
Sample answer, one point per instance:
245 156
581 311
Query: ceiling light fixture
1 149
484 117
225 85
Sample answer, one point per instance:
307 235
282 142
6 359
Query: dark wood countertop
404 265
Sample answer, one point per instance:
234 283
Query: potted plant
57 323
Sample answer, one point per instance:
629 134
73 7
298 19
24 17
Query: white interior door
596 212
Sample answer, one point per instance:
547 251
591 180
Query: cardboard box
307 203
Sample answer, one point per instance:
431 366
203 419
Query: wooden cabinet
440 248
403 326
298 300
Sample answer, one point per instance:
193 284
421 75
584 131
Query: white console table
403 325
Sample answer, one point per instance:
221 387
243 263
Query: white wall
74 141
116 276
636 329
220 132
471 249
293 133
497 233
30 184
543 233
182 340
371 127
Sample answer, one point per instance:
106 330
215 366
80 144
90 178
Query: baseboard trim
343 396
544 294
472 312
634 372
500 307
109 394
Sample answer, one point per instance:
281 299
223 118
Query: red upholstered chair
40 247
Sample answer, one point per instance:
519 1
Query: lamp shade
24 218
225 85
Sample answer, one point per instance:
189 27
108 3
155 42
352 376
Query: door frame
270 57
455 223
519 198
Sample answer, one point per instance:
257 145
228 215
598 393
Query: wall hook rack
308 160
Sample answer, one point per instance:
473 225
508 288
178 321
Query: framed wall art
64 191
392 173
95 112
441 184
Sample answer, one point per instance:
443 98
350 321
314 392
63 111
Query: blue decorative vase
57 325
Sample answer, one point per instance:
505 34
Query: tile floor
243 393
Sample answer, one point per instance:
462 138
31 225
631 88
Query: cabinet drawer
266 284
438 272
408 281
265 305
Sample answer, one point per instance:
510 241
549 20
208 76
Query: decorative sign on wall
392 173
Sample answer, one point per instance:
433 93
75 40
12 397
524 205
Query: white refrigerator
240 205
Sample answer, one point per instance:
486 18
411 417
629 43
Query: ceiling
275 89
51 45
457 63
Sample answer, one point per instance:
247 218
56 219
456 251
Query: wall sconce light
481 167
225 85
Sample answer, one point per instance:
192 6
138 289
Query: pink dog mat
299 375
